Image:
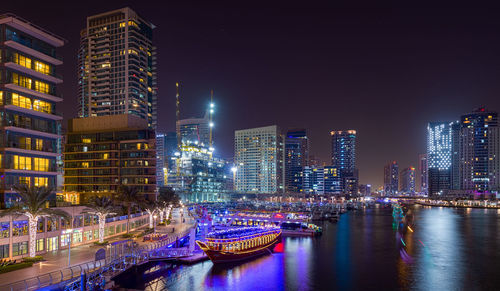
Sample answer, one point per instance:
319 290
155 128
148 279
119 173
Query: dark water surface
449 249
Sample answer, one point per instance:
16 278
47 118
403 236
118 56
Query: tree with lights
102 207
129 197
32 202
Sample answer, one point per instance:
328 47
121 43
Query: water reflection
448 249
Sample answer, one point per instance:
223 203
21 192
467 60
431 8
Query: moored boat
237 244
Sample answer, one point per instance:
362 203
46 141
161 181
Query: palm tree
129 197
32 203
167 198
151 207
102 207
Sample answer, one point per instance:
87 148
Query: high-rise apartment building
104 152
439 155
344 150
166 146
391 178
423 173
194 130
344 159
407 181
479 151
296 157
259 160
29 123
117 66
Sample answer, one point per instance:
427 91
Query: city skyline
205 59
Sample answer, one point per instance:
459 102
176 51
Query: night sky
383 70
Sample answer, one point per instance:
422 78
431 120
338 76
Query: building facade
199 176
479 151
344 159
259 160
439 154
102 153
117 66
194 131
407 181
423 173
391 178
296 157
29 122
166 146
53 234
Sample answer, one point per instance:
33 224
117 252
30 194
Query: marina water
447 249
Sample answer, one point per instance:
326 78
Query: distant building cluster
463 156
269 160
461 161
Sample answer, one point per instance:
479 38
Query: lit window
24 180
39 144
42 68
41 164
22 60
42 87
41 181
21 101
22 163
86 140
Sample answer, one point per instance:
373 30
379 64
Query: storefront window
4 229
65 238
40 243
40 225
77 237
20 228
87 235
20 248
52 243
78 221
52 225
4 251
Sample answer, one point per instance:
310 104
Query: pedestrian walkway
58 260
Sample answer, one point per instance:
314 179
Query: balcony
55 60
32 92
54 78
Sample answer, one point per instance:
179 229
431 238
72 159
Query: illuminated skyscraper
194 130
407 181
344 159
258 156
344 150
166 146
117 66
296 157
29 123
439 150
423 175
391 178
479 151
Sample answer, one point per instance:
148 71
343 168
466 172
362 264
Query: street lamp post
69 232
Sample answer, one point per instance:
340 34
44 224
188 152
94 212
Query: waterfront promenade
58 260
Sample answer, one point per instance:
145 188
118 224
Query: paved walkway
58 260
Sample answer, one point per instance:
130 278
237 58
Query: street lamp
69 232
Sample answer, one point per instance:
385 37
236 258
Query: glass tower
296 157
